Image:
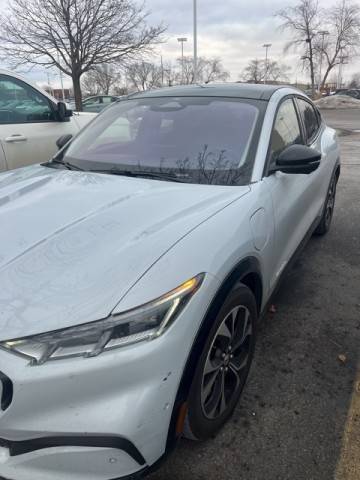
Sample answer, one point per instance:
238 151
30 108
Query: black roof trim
231 90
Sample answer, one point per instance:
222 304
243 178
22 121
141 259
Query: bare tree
144 75
303 21
258 70
208 70
89 86
212 70
75 35
171 75
254 72
101 79
343 25
120 90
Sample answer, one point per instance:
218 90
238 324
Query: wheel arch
248 272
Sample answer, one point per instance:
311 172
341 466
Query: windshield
190 139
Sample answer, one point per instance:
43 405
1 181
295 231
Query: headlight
146 322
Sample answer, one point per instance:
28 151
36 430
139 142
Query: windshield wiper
170 177
68 165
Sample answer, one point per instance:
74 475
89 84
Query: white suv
31 122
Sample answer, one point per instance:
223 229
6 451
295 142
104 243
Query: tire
326 218
226 358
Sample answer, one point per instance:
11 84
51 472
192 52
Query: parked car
31 121
136 264
354 92
340 91
98 103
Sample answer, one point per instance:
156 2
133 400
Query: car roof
98 96
233 90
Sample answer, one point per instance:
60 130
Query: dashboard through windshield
203 140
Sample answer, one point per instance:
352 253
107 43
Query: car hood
74 243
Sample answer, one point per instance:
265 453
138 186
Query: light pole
162 70
48 79
182 40
267 47
323 33
61 80
195 41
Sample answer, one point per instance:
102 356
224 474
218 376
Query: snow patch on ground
338 101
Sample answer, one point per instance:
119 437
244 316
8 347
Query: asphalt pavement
299 417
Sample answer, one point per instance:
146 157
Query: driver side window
286 130
20 103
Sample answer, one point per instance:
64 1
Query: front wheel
223 366
325 221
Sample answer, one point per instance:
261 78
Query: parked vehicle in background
354 92
31 121
98 103
339 91
136 264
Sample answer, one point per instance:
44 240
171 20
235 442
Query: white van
31 121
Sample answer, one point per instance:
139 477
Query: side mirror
297 159
62 112
63 140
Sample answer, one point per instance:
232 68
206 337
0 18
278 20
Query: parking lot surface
299 417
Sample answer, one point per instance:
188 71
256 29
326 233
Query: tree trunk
77 92
328 70
312 73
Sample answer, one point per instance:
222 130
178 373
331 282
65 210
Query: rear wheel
223 366
325 222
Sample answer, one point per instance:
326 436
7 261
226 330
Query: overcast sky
233 30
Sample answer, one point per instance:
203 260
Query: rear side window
310 119
286 130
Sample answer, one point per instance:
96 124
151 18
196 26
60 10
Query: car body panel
145 385
66 255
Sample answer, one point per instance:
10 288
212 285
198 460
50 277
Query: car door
294 196
29 126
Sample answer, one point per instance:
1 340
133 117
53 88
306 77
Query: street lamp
195 41
267 47
322 33
61 79
182 40
343 59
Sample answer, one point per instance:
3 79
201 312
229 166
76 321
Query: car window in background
286 130
20 103
109 100
91 101
310 119
205 140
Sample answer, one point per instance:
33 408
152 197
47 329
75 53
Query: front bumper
97 418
